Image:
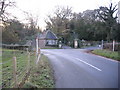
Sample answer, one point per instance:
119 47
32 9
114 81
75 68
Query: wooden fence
16 71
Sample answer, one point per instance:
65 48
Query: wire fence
16 70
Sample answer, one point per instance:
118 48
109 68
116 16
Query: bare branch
5 4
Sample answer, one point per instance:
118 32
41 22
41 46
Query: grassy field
7 66
22 65
41 76
107 53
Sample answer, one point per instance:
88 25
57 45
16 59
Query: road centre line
88 64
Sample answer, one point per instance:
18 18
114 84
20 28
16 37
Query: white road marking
88 64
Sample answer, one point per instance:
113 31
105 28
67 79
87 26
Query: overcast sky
42 8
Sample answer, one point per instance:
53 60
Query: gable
50 35
47 35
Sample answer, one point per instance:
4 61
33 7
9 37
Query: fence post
28 60
15 71
28 67
36 46
113 45
39 55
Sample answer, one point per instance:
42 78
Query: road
74 68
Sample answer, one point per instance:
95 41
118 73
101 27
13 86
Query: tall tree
31 26
59 21
12 32
107 15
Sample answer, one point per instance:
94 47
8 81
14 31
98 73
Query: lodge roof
47 35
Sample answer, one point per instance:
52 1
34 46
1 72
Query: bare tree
32 23
4 4
63 12
59 21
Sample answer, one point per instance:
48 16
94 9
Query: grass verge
7 66
107 53
41 75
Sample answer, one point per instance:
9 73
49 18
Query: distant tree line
92 25
13 31
16 32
